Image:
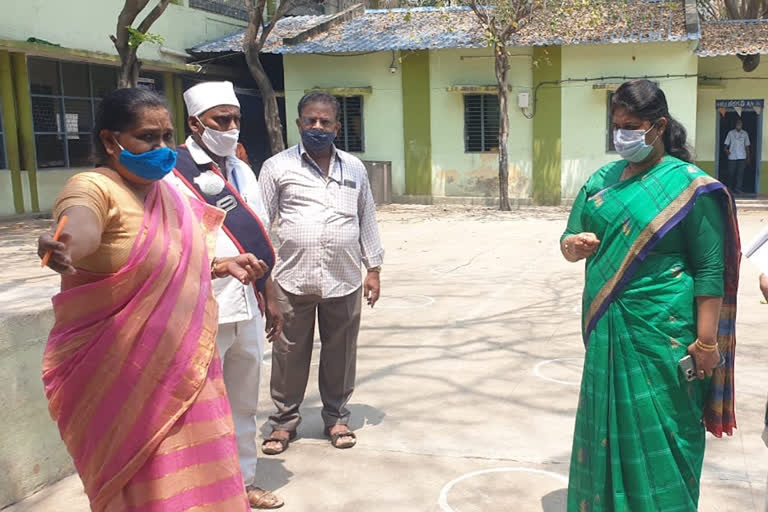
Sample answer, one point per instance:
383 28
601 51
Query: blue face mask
152 165
317 140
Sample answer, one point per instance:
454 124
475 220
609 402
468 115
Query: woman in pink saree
131 370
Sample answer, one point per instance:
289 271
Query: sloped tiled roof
610 21
287 27
746 37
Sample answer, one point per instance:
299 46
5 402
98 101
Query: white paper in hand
757 251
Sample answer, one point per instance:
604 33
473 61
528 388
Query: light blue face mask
631 146
152 165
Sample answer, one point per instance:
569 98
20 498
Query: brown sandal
261 499
338 435
284 443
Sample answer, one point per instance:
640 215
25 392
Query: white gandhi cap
206 95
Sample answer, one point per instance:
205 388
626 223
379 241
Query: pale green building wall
382 109
86 25
49 183
6 194
742 85
454 172
584 115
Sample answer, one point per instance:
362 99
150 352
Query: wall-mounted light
393 66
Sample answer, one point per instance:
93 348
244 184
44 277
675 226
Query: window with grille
481 123
351 135
65 96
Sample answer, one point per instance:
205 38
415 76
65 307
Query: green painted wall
547 125
417 136
382 109
455 172
26 135
706 127
584 121
11 199
182 27
707 165
568 147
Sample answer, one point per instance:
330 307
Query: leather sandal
284 443
336 437
261 499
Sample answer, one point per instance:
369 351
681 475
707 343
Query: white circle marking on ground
443 501
537 370
420 301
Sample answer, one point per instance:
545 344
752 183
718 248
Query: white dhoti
241 345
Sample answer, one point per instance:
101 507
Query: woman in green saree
662 256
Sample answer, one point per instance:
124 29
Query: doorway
750 112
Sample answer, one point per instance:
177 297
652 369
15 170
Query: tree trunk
502 70
129 71
271 110
130 65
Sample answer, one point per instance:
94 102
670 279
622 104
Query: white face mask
631 146
220 143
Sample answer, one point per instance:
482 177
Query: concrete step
759 203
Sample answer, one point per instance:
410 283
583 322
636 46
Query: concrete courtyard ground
468 374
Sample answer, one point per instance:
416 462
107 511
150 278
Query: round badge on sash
210 183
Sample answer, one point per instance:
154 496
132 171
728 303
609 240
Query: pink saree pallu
134 380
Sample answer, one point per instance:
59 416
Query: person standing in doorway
209 169
737 147
326 230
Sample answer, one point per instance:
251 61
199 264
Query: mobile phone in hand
688 367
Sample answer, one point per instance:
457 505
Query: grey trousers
339 323
736 169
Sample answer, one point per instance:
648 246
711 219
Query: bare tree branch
129 63
153 15
125 19
255 24
482 14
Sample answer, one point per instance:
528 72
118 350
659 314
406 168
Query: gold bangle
706 347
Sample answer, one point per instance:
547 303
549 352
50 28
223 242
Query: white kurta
241 327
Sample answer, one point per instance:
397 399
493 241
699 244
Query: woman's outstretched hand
61 256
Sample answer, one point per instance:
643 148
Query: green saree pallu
667 236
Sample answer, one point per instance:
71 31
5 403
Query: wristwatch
375 269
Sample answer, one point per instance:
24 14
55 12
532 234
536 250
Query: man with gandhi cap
208 169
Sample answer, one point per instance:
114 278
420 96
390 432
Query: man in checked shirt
321 201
